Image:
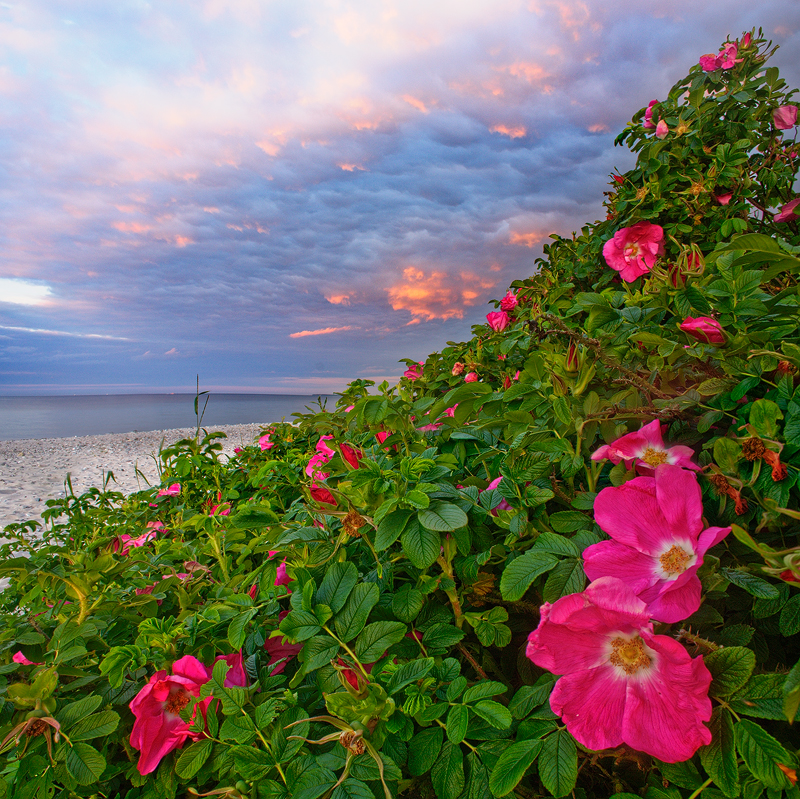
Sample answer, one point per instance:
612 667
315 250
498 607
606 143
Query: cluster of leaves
413 595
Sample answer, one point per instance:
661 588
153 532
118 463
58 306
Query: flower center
674 560
631 251
654 457
176 702
629 654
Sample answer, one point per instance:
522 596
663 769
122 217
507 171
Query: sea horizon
72 415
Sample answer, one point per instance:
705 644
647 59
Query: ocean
88 415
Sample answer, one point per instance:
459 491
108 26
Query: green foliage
389 660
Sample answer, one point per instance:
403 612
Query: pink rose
498 320
382 436
632 251
18 657
725 59
648 116
724 199
172 491
351 455
414 371
265 443
509 302
647 449
787 212
321 494
471 377
785 117
705 329
661 129
621 683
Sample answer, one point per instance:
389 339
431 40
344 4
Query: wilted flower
632 251
18 657
662 129
657 540
498 320
457 369
509 302
646 447
787 212
648 116
785 117
704 328
621 684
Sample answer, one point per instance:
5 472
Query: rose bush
416 620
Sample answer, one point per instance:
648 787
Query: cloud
24 292
42 332
321 332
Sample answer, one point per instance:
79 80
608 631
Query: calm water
60 417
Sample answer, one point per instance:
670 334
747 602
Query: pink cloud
324 331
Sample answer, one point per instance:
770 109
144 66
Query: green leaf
752 242
376 638
192 758
94 726
719 757
407 673
238 728
496 714
762 753
531 696
421 545
423 750
483 690
522 571
764 415
442 636
761 698
390 527
457 723
791 693
283 749
237 629
730 669
790 616
233 698
750 583
85 764
568 521
443 517
558 763
318 651
447 773
299 625
512 765
75 711
407 603
339 581
566 578
353 616
727 454
352 789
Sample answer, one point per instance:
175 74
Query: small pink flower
662 129
498 320
127 542
621 684
281 577
746 40
265 443
457 369
632 251
471 377
323 448
501 357
223 509
785 117
280 650
657 540
509 302
704 328
646 447
414 371
787 212
172 491
708 62
429 428
724 199
648 116
725 59
237 450
18 657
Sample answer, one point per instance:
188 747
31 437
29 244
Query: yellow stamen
675 560
629 654
176 702
654 457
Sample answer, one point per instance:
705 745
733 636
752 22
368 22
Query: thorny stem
474 663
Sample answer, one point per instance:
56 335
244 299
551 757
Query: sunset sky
284 196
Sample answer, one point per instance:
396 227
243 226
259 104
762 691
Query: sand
33 470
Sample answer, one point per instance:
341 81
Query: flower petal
611 559
679 499
631 515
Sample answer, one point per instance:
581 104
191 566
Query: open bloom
158 728
621 684
414 371
648 116
633 250
509 302
787 212
725 59
265 443
324 454
657 540
704 328
171 491
127 543
646 446
498 320
785 117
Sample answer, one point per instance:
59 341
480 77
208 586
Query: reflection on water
59 417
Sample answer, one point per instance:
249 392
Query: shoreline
33 470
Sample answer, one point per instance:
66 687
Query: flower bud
572 363
705 329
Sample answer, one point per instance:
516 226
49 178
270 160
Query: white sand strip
33 470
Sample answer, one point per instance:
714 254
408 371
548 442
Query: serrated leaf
283 749
339 581
238 728
531 696
94 726
442 636
494 713
558 763
512 765
442 517
85 764
790 616
423 750
390 527
353 616
483 690
568 577
447 773
299 625
191 759
421 545
719 757
457 723
407 603
75 711
762 753
407 673
730 669
376 638
522 571
352 789
237 629
750 583
318 651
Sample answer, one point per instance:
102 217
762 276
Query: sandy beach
33 470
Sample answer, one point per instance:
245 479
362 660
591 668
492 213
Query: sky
281 196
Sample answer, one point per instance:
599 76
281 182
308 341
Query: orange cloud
338 299
436 295
514 133
526 239
131 227
533 73
418 104
598 128
182 241
350 167
321 332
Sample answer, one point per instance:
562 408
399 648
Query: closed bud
572 363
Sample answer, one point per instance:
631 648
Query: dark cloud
206 180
